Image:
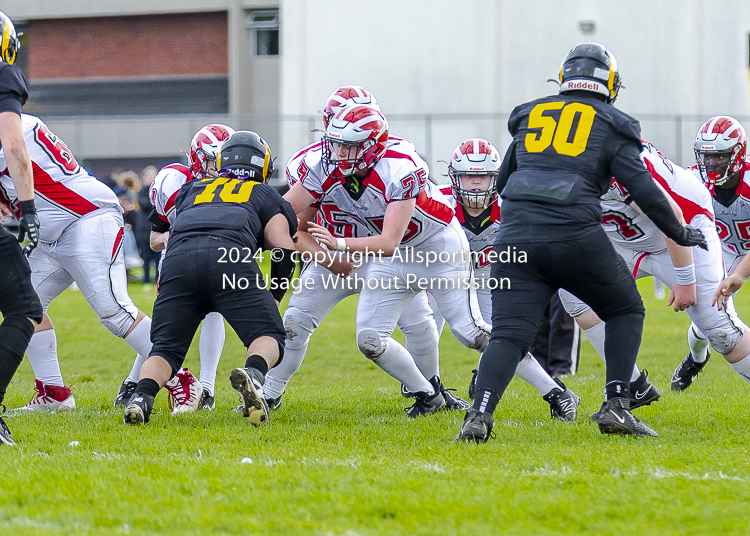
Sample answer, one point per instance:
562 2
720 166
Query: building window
265 27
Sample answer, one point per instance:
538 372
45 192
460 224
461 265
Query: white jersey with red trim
632 230
64 191
733 222
400 174
165 188
483 242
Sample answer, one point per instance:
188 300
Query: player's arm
684 293
307 244
732 283
629 171
278 239
397 217
20 170
159 230
507 168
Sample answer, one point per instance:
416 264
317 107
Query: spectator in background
142 227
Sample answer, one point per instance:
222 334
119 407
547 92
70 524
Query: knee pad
477 339
299 327
120 322
421 338
370 343
723 341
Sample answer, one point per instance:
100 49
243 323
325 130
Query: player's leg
381 303
307 309
49 280
210 345
178 311
21 310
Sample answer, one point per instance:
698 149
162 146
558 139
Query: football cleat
207 402
5 438
452 401
126 391
50 398
687 371
425 404
248 383
405 392
185 392
563 403
614 417
477 427
642 391
138 410
473 383
274 403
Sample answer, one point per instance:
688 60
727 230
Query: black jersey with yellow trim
235 209
14 88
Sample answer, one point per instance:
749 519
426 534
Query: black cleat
453 402
138 410
405 392
563 403
127 389
207 402
686 372
274 403
425 404
642 391
614 417
248 382
473 383
477 427
5 438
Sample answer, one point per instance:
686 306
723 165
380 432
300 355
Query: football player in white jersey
692 274
308 307
473 170
720 150
80 241
186 393
386 208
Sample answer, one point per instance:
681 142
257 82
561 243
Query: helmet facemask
717 168
472 193
347 157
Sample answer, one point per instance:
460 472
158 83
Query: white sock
531 371
210 345
140 338
136 370
742 367
422 343
397 362
698 344
294 353
596 336
42 352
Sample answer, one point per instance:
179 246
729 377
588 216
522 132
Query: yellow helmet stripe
612 73
6 41
266 162
218 160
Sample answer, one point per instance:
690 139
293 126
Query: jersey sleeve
159 223
14 90
275 204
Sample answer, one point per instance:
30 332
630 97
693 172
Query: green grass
339 457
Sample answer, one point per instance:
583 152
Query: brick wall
149 45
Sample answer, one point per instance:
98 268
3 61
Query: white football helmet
355 140
472 161
720 148
205 147
346 96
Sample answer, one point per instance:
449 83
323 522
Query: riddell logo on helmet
583 84
708 147
472 168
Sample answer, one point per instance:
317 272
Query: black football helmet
246 156
10 44
590 67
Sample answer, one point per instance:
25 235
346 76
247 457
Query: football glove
692 237
28 224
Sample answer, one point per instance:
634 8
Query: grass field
339 457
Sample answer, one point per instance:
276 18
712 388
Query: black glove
29 226
692 237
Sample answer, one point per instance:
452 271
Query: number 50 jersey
64 191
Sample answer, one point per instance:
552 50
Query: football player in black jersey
222 222
565 150
19 303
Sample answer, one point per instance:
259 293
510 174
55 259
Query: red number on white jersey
412 229
56 150
743 232
340 228
413 183
625 226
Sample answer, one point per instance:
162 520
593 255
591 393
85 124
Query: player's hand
726 288
692 237
4 211
323 235
341 267
28 224
682 296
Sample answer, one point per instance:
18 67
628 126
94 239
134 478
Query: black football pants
589 268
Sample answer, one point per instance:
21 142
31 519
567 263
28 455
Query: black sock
148 387
616 389
485 400
15 334
258 363
622 342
